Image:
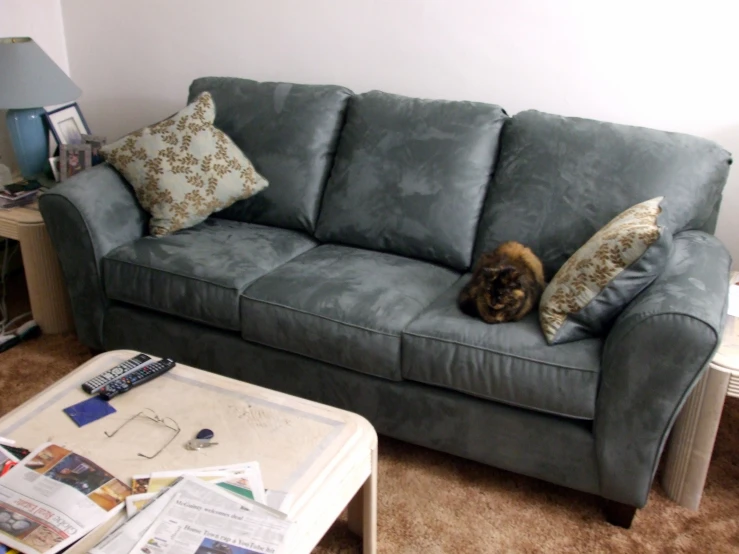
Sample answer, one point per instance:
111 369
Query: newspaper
53 498
136 502
243 479
188 526
189 489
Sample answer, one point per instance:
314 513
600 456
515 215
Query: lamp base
29 137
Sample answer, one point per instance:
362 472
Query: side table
694 433
50 304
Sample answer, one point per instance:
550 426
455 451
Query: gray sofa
338 283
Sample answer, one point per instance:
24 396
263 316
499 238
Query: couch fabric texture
342 305
510 363
338 282
410 176
560 179
200 273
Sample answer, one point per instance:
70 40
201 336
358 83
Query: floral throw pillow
183 168
605 274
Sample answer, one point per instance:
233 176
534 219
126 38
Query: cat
506 284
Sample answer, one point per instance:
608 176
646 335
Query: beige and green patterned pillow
183 168
605 274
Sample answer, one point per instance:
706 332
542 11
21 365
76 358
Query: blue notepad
89 410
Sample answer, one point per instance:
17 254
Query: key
197 444
201 440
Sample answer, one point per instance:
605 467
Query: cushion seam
297 310
323 360
186 317
645 316
508 402
172 273
448 341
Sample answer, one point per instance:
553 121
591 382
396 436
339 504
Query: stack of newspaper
55 497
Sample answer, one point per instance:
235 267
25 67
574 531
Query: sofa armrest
653 356
87 217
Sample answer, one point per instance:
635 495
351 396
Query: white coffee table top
303 447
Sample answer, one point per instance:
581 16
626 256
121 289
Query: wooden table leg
363 510
50 304
693 436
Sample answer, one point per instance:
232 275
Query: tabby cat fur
506 284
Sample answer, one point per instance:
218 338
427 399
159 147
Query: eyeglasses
174 426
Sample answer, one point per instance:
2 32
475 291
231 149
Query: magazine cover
53 498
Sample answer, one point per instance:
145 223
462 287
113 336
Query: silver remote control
114 373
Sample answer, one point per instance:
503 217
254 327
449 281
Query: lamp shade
29 78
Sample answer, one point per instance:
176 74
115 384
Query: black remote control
136 378
114 373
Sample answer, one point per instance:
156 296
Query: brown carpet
435 503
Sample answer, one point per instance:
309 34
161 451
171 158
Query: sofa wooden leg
619 514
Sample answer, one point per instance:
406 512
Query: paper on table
55 497
135 502
124 538
247 478
162 479
279 500
192 526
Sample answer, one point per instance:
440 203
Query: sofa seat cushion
507 362
199 273
342 305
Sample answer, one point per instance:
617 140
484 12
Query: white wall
657 63
42 21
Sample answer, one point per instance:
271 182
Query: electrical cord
6 324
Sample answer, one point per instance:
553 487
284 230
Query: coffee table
325 458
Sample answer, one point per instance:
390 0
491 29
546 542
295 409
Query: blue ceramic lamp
30 80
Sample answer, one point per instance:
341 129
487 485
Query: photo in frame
73 158
67 124
96 142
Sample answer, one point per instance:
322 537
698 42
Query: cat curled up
506 284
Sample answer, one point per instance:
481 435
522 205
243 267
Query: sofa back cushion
560 179
410 176
289 132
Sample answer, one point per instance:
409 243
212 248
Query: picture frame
67 124
96 142
73 158
54 163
